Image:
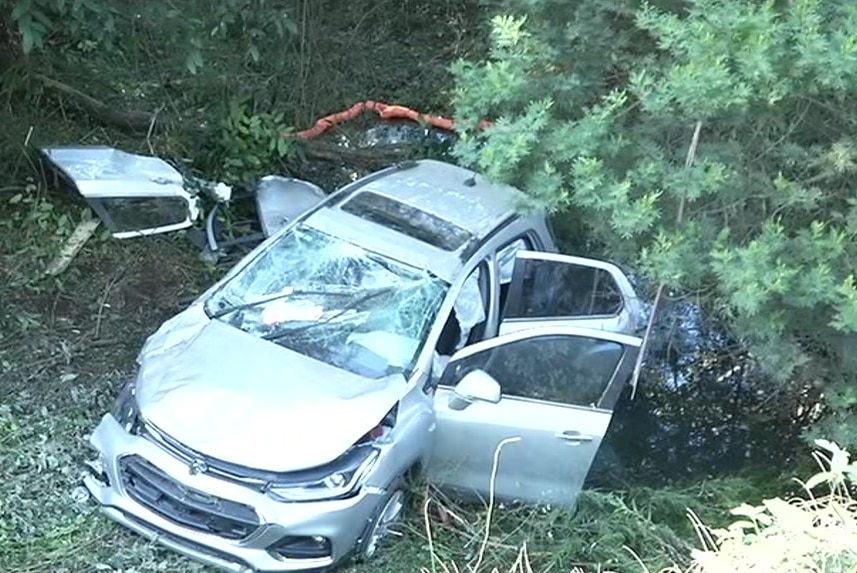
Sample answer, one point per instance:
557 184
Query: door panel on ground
135 195
549 288
557 393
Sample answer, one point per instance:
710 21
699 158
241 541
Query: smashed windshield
333 301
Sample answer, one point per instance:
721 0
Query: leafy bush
809 534
249 144
707 144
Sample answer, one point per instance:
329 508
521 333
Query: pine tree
709 144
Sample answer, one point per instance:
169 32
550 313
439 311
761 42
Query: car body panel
451 193
281 200
212 402
549 445
135 195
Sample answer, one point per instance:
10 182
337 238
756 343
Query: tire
388 513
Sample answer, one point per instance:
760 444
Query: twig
638 365
102 301
151 129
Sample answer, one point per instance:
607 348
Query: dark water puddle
702 408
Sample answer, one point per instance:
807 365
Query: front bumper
339 521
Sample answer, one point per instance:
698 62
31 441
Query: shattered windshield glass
333 301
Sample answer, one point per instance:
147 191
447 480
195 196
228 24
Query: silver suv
411 321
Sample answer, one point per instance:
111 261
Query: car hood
241 399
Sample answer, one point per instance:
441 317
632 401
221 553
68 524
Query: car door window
580 371
548 289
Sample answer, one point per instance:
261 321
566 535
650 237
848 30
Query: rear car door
558 386
550 289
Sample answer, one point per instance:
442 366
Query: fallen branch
75 242
136 121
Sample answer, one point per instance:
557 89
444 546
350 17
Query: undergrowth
652 530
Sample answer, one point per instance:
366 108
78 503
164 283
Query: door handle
573 436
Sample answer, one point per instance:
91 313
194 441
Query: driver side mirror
475 386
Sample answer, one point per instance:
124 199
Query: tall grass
644 530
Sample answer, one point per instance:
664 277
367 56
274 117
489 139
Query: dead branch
134 121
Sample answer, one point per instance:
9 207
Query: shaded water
702 408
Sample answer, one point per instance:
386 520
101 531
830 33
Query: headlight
125 409
339 479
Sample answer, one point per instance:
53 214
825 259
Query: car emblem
198 467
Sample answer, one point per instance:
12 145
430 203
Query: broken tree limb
136 121
72 246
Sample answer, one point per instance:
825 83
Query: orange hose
384 111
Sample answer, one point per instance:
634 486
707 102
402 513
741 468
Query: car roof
452 193
450 196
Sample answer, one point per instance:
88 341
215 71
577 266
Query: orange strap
384 111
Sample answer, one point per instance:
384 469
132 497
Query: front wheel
388 514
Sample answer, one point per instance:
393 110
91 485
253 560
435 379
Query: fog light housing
301 547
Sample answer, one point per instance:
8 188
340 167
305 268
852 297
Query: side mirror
474 386
134 195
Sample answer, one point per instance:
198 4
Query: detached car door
557 389
554 289
134 195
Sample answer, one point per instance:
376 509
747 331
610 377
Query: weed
250 145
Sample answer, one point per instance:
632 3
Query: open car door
547 392
554 289
134 195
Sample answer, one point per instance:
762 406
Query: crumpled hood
238 398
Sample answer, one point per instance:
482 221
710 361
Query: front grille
154 489
187 455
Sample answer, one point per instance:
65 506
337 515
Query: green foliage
83 24
818 533
245 19
32 230
595 105
250 145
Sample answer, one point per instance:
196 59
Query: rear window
407 220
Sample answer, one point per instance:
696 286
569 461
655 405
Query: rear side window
407 220
550 289
126 214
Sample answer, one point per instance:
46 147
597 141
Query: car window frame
612 389
515 295
453 292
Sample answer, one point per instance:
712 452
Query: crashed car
412 322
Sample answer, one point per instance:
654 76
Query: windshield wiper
365 298
285 294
